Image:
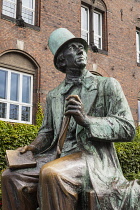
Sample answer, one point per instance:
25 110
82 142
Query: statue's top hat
59 38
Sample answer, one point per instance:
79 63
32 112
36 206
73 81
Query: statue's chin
81 65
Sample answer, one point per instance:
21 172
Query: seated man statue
94 113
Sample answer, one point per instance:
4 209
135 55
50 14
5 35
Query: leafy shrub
39 116
129 157
17 135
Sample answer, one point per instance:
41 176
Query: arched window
94 23
18 78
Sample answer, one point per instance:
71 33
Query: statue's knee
48 172
6 175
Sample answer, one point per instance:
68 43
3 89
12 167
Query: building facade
27 73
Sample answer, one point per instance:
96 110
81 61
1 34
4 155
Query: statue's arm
117 124
45 134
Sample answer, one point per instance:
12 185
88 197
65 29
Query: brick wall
120 62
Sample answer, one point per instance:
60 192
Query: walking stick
62 135
64 128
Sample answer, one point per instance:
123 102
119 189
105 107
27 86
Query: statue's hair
60 64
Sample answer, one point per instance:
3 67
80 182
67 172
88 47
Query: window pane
14 112
28 3
9 8
27 16
25 113
3 79
138 45
14 87
139 41
139 111
26 89
97 41
97 23
3 109
84 18
84 35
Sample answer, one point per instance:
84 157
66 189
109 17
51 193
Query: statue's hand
26 148
75 108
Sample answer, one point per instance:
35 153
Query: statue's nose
79 51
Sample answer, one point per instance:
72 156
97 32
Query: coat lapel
88 94
58 108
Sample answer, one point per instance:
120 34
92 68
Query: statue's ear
61 63
62 60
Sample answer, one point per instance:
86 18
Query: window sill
138 64
5 17
104 52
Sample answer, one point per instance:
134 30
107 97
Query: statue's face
75 55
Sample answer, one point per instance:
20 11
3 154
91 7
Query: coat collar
88 80
88 95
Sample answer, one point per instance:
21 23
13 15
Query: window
24 11
138 111
15 96
28 11
85 23
93 23
138 45
9 8
97 27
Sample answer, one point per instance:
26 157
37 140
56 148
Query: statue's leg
18 191
61 181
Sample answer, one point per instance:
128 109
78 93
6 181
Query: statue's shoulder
97 78
106 80
103 82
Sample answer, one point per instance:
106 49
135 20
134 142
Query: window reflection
14 86
84 23
25 113
28 3
3 76
14 109
9 8
28 11
26 86
3 109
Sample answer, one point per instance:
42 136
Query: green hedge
129 157
13 136
16 135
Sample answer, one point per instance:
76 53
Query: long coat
110 121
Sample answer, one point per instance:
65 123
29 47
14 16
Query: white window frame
98 36
27 8
19 102
138 112
32 10
86 31
11 2
138 45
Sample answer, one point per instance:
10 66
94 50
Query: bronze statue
94 113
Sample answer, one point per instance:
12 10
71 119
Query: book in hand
16 160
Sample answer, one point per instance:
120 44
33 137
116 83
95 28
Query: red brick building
27 72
